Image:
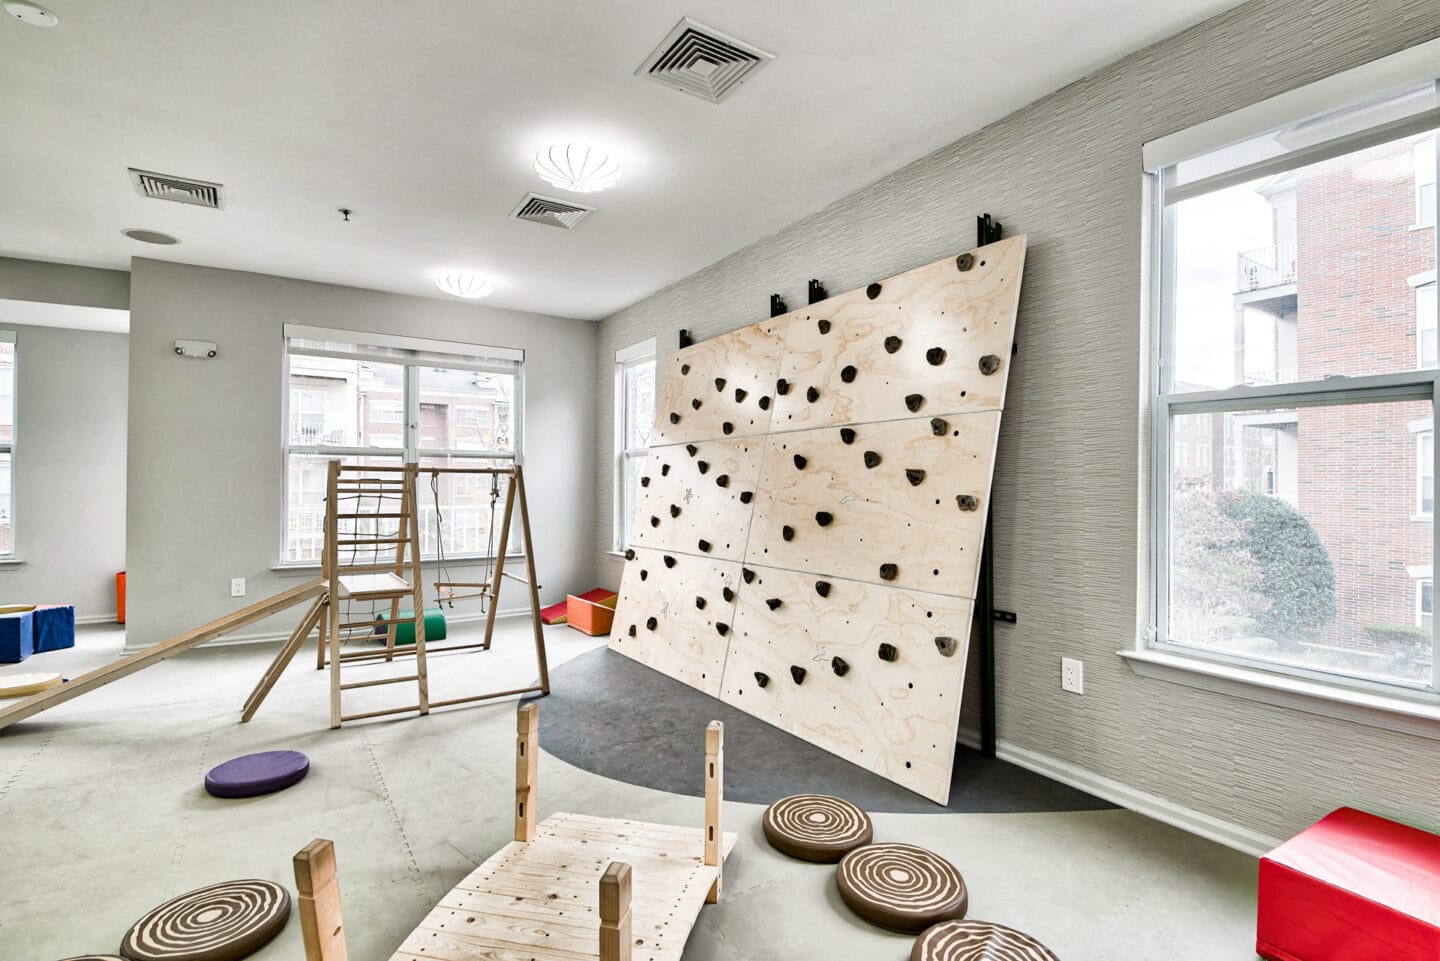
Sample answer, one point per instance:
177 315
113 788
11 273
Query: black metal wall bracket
777 306
685 340
817 292
987 230
1007 617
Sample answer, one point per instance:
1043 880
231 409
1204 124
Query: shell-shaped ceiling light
578 167
464 283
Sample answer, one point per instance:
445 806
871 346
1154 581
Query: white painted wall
205 435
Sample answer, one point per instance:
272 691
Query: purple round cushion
253 774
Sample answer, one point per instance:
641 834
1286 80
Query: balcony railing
1265 267
309 435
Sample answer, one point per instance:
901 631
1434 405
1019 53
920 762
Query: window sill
1393 713
299 570
10 562
1423 518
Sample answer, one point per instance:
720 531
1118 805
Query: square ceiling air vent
702 61
549 211
182 190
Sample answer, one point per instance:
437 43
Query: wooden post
504 543
321 923
518 483
615 912
714 794
417 584
331 565
527 742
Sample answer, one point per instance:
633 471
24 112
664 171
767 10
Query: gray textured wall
1068 534
69 469
205 435
63 284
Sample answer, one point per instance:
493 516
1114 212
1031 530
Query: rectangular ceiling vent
703 62
201 193
549 211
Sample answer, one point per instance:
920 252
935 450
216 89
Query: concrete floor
104 816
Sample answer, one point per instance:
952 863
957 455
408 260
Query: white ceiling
425 118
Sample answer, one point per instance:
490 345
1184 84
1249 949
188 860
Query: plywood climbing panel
812 512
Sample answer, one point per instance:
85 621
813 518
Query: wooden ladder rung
385 713
387 515
351 625
514 577
356 542
379 681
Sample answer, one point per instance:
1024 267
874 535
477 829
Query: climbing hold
746 496
939 426
748 574
722 629
847 434
654 521
989 364
700 603
764 402
787 532
644 574
645 481
782 387
873 291
812 395
823 518
651 624
719 383
888 572
728 594
684 369
892 344
848 373
772 603
632 630
691 449
702 466
704 546
674 417
630 554
822 588
914 401
935 356
915 476
664 470
723 480
965 262
824 326
800 462
967 502
695 403
798 673
872 459
762 679
674 510
888 652
727 427
946 646
839 666
669 561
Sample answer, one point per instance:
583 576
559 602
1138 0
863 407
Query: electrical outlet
1072 675
237 587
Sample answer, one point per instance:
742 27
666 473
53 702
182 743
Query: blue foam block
17 637
54 627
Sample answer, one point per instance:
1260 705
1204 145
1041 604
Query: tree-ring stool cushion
901 887
977 941
97 957
252 774
23 685
816 827
222 922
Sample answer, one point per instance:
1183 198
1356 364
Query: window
1425 603
7 443
1284 267
378 399
634 417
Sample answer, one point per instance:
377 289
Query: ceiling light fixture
578 167
464 283
149 236
31 13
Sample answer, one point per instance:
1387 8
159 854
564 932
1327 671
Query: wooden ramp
30 706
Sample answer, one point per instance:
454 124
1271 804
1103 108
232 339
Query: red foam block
1351 887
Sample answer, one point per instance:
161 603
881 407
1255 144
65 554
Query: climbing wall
807 537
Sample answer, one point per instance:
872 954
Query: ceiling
425 119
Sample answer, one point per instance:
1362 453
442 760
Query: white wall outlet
1072 675
237 587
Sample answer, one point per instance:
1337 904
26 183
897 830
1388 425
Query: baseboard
97 619
1161 809
968 737
274 637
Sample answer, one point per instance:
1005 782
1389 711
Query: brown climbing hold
946 646
913 402
748 574
872 459
782 387
787 532
772 603
674 417
812 395
630 554
847 434
669 561
645 481
702 466
822 588
888 652
888 572
691 449
824 326
722 629
989 364
762 679
631 632
967 502
873 291
644 574
723 480
746 496
651 624
664 470
915 476
798 673
839 666
728 594
939 426
764 402
800 462
700 603
674 510
964 262
654 521
823 518
704 546
727 427
684 369
719 383
740 394
892 344
695 403
935 356
848 373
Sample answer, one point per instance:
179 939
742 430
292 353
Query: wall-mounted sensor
194 348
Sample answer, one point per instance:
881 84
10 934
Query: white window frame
1423 439
1420 584
412 354
1425 176
636 355
1155 654
1425 319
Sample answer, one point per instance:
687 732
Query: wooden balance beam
569 887
101 676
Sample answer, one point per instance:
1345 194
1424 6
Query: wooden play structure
569 887
372 557
809 525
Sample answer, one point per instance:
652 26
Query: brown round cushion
816 827
96 957
901 887
222 922
977 941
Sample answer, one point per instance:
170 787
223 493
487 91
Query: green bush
1296 574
